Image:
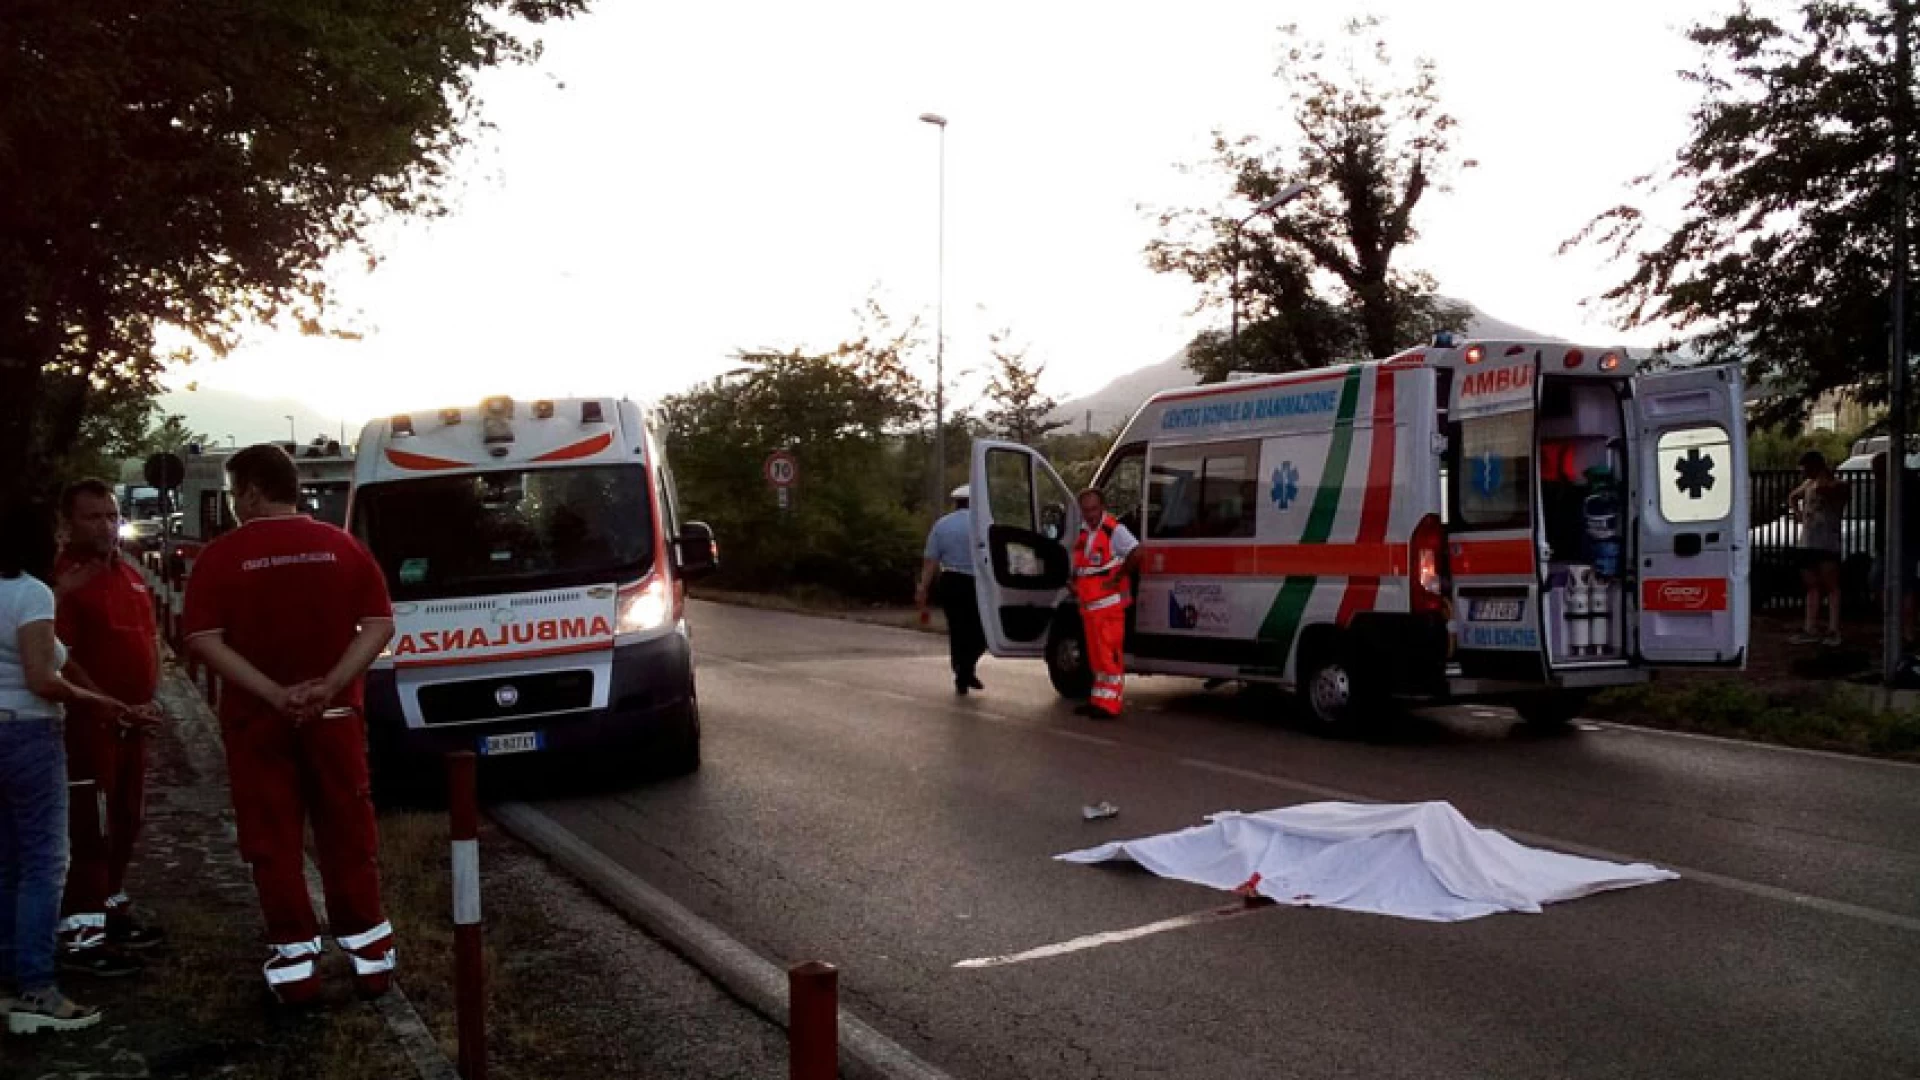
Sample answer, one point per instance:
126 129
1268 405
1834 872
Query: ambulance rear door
1690 496
1024 518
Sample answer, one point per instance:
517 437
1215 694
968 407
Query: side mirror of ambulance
694 550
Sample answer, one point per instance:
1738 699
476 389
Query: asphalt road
852 809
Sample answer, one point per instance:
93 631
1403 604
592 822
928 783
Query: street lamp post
292 439
1283 197
940 322
1897 389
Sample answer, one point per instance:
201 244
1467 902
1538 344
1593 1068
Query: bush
1820 718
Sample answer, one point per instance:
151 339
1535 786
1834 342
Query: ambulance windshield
510 530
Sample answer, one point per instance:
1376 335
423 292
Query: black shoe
974 682
101 962
135 936
960 687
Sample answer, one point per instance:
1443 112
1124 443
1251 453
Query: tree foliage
845 415
1319 279
1782 256
196 165
1017 408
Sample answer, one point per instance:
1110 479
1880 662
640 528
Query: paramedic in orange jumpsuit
1103 561
290 612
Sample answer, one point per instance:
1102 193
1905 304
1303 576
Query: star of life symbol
1486 474
1694 474
1286 485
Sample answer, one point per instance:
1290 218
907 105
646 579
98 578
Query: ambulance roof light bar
402 426
543 410
590 413
496 424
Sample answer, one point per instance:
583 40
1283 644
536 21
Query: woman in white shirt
33 778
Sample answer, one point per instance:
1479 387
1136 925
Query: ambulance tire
1333 690
678 754
1067 666
1551 711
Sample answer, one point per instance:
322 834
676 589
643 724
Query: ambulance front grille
455 607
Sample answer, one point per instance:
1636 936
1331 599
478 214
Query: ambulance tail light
1427 567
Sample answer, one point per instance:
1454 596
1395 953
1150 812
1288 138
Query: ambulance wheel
1332 689
1067 665
679 753
1553 710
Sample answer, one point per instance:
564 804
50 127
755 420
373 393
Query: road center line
1114 937
1705 877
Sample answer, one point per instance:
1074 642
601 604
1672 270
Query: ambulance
538 568
1512 521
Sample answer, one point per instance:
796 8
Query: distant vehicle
537 563
142 535
1487 520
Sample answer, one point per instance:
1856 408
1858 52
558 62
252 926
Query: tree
197 164
1784 248
1018 408
845 415
1319 279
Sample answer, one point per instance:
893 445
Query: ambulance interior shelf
1583 519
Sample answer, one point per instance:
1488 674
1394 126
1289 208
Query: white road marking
1706 877
1081 736
892 695
1113 937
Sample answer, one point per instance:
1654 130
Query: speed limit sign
781 470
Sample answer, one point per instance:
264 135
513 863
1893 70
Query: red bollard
469 958
813 1021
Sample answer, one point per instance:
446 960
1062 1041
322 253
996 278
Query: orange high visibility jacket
1099 579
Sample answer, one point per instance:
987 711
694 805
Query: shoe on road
49 1010
973 681
136 936
960 687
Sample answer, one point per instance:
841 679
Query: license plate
522 742
1495 610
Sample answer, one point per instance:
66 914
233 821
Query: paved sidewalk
199 1010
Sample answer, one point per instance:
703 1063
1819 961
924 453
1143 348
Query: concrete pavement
852 809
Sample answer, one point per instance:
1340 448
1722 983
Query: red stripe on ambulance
1375 510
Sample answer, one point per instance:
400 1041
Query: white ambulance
1487 520
538 570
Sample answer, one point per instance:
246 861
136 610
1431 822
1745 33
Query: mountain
248 419
1115 403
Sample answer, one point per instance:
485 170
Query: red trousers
283 775
1106 654
107 774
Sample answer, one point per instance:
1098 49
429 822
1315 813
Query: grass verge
1811 716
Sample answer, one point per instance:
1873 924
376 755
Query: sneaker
48 1010
1805 637
100 961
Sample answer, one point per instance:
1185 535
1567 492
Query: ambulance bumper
651 697
1460 687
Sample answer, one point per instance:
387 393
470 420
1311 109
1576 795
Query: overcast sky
674 182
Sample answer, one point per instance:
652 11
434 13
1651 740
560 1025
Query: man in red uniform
290 612
105 617
1103 558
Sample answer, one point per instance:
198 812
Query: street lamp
940 321
1286 195
292 439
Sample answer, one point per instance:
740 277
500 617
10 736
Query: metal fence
1776 539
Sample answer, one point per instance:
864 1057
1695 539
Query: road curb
746 974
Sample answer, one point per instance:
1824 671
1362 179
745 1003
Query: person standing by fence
1818 504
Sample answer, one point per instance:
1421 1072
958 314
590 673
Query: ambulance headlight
127 531
645 609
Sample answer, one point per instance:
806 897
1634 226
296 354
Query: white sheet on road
1415 860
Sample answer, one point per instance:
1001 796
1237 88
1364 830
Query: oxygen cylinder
1600 615
1579 606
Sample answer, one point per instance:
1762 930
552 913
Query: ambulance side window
1695 468
1123 486
1205 492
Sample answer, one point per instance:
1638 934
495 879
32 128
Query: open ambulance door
1691 497
1024 518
